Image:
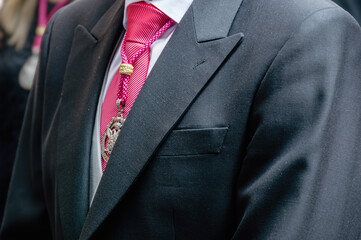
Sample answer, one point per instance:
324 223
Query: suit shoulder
282 14
299 9
295 12
306 15
272 22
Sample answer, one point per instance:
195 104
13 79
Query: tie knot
144 20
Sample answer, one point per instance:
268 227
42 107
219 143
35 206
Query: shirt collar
175 9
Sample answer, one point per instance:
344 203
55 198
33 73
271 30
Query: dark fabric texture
13 101
247 130
12 107
352 6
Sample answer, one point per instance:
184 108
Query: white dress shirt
175 9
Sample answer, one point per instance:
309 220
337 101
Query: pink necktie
144 22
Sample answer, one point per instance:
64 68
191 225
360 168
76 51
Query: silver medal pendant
112 132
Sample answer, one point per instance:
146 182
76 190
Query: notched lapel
178 77
215 20
85 70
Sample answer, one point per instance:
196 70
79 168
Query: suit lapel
180 74
86 68
215 20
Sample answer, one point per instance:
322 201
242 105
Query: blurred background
352 6
22 24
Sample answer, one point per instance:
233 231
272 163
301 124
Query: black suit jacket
248 127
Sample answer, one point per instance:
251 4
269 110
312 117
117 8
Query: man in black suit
247 127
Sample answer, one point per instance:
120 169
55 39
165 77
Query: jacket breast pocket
185 142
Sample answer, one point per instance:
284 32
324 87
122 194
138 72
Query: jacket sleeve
301 176
25 210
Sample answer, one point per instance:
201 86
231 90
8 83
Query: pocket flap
193 141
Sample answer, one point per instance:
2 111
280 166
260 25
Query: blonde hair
16 18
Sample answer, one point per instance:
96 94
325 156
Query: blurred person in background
22 24
352 6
